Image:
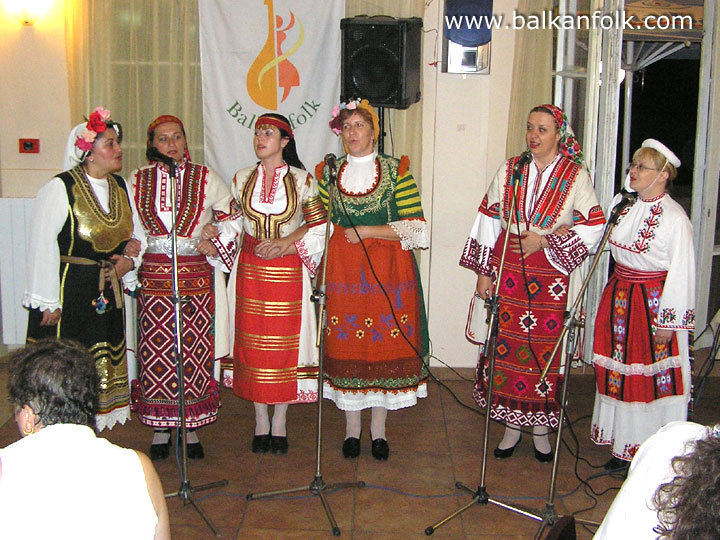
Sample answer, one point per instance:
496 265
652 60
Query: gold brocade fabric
104 231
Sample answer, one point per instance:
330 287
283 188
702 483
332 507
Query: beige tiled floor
433 446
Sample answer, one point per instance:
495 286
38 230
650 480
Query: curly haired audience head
57 379
689 505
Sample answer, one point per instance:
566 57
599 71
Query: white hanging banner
262 56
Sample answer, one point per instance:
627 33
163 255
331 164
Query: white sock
192 437
161 436
352 424
377 423
262 420
278 420
511 437
541 440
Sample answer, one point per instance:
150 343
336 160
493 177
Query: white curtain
140 59
532 75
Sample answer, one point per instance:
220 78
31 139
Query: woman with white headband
646 314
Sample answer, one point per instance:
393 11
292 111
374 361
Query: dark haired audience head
689 505
57 380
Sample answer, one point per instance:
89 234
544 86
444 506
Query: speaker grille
381 60
375 73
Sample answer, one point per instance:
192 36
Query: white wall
34 98
464 129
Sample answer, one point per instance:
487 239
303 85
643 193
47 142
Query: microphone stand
318 487
569 328
186 491
548 516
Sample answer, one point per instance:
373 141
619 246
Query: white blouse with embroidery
655 236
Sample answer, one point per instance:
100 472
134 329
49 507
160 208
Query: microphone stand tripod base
185 494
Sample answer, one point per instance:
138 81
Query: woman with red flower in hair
83 222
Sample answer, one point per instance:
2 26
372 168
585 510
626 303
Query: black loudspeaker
381 60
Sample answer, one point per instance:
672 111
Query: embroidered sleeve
310 247
407 198
226 247
588 217
413 233
566 252
314 211
476 257
486 228
677 303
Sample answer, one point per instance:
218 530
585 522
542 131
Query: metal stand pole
548 515
186 490
318 487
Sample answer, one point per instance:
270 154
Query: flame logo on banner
271 69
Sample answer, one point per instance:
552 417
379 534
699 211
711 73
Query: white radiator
15 218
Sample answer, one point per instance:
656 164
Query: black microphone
153 154
525 157
330 160
628 199
332 166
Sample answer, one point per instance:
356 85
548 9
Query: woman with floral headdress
376 342
202 197
646 315
275 357
83 222
556 222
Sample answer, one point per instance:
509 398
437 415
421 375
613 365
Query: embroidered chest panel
267 226
104 231
552 199
190 203
646 234
377 200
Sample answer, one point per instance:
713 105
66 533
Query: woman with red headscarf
202 197
555 224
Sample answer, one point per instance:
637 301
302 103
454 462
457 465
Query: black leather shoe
380 449
195 451
261 444
278 445
616 464
544 458
505 452
351 447
158 452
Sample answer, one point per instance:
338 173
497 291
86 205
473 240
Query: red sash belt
630 274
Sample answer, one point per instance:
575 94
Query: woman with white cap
646 314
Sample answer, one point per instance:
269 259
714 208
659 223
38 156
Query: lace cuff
476 256
567 252
413 233
35 302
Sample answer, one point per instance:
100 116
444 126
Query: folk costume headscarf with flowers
560 195
80 224
82 136
369 364
202 198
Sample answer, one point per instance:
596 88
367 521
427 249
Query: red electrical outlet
29 146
